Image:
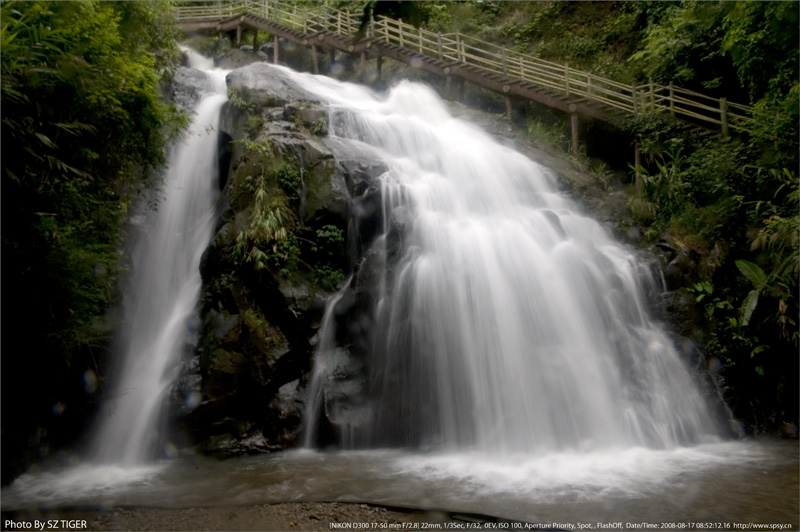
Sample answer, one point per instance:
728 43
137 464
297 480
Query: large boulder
265 85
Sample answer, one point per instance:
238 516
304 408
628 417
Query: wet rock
190 86
681 311
681 270
237 58
259 324
264 85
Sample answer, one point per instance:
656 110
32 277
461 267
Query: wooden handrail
491 58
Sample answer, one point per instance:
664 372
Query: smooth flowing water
504 319
510 355
159 306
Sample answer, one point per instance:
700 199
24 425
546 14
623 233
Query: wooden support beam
333 55
637 163
508 107
723 116
575 134
275 51
363 66
447 86
314 60
238 37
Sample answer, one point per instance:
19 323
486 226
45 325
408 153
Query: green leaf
748 306
752 272
760 370
46 140
757 350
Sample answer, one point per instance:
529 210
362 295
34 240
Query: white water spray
164 289
505 320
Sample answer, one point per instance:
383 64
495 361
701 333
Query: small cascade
502 318
159 324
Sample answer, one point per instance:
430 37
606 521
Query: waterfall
159 325
503 319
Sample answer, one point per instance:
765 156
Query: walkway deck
456 55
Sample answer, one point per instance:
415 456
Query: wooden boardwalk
460 57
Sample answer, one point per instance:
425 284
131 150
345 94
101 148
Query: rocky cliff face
283 245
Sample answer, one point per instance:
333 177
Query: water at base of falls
164 287
502 319
743 481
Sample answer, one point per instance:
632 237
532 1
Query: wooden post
575 137
460 48
238 37
508 107
400 31
505 66
339 22
633 99
314 60
379 67
266 9
363 66
447 87
219 9
723 116
566 78
637 163
275 51
333 55
672 99
420 40
439 43
652 95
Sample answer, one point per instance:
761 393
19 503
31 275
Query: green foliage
320 127
269 224
595 36
239 103
666 185
328 250
553 136
273 237
290 182
80 80
255 122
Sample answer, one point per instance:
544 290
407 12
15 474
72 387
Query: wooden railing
493 60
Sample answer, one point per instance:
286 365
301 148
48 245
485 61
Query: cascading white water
505 320
163 289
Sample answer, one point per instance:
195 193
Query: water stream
504 319
511 366
159 306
